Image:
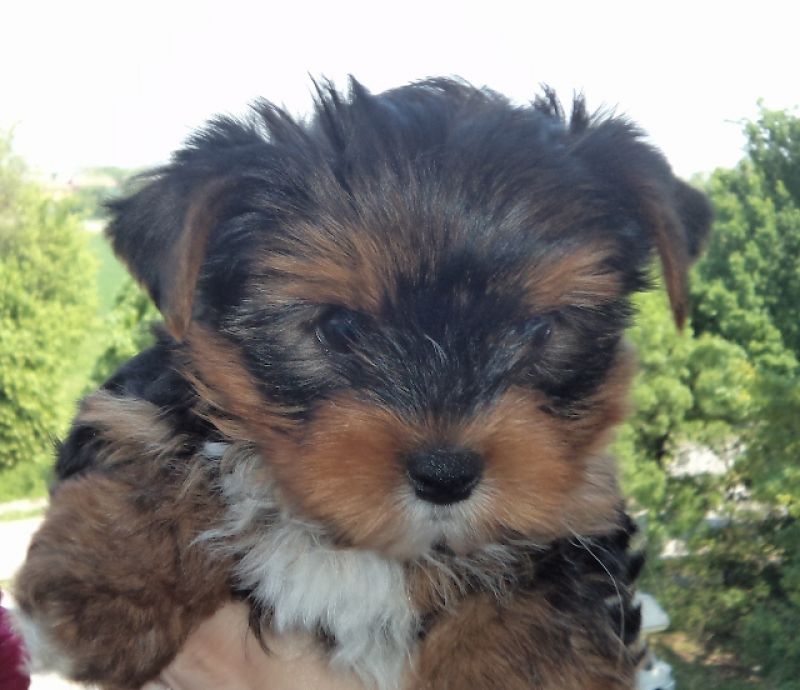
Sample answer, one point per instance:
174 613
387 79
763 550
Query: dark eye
536 331
540 331
338 329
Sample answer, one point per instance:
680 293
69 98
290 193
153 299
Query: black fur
152 375
461 163
591 574
460 201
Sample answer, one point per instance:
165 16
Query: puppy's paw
42 653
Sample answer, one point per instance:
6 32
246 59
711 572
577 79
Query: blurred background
92 92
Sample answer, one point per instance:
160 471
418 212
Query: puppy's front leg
521 644
114 581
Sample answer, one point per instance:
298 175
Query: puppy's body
395 360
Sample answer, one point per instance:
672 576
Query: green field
110 272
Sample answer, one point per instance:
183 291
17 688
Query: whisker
585 545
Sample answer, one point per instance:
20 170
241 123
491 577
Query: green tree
47 303
730 385
747 288
129 326
754 265
691 391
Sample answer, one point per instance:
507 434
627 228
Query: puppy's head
414 303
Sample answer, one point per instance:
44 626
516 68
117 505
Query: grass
110 273
109 278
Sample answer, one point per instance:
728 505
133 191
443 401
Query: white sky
88 83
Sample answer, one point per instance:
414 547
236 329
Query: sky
85 83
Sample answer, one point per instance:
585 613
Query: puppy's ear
161 233
675 216
685 217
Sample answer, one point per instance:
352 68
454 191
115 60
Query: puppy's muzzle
444 475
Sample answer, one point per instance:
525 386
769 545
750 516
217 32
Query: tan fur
222 380
545 477
134 427
345 470
671 246
549 477
520 644
186 257
575 278
83 576
349 268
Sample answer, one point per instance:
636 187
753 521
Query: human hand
223 654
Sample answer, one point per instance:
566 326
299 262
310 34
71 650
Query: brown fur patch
182 267
485 644
576 278
671 245
84 579
529 467
345 470
133 427
669 235
341 266
545 476
222 380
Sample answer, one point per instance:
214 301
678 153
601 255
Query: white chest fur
357 597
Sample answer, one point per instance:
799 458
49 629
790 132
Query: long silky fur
361 602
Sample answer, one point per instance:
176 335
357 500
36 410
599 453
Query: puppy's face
414 304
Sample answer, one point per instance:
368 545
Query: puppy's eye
540 330
535 332
338 329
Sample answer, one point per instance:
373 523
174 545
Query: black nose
444 476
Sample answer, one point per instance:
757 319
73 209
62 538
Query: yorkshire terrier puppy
379 411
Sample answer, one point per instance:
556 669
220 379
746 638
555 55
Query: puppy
393 359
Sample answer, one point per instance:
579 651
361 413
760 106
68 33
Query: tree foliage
47 303
129 330
748 286
730 386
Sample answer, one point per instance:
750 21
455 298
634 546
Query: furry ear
678 218
161 233
162 230
686 221
675 216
